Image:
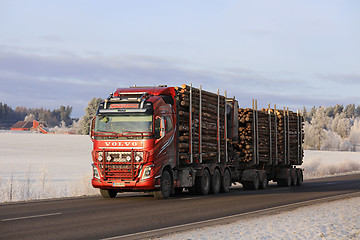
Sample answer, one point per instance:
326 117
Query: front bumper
148 184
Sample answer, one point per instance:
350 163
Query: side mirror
159 128
162 128
92 125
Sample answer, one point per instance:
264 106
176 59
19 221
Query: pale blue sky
289 53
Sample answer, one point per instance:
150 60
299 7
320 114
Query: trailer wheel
165 186
108 193
225 182
264 182
202 183
285 182
300 178
215 182
254 185
294 178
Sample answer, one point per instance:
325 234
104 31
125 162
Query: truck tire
252 185
108 193
300 178
202 183
165 186
294 179
225 182
285 182
265 182
215 182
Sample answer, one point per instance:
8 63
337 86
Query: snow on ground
328 163
35 166
334 220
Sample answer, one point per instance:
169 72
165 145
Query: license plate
118 184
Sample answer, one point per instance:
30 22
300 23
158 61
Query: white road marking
27 217
189 198
227 217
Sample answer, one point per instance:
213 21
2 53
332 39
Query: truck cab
134 138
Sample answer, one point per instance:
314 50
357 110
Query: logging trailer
167 139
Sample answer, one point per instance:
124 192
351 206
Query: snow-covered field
334 220
36 166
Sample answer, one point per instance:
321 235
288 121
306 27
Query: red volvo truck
167 139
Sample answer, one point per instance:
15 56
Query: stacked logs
209 125
268 136
291 137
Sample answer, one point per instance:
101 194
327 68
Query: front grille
119 165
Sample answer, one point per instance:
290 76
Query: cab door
164 141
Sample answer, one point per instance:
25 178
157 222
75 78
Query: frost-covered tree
319 123
312 112
90 112
338 109
331 141
310 141
357 111
350 110
341 125
29 118
354 136
330 112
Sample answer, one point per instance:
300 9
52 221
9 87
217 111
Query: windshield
123 124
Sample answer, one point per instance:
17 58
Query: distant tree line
56 117
350 111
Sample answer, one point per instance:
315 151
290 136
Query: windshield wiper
105 134
134 134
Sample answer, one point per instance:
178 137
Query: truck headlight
147 172
95 172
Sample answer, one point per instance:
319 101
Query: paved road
98 218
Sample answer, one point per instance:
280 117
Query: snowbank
334 220
34 166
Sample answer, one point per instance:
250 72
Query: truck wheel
294 179
285 182
215 182
165 186
300 178
225 182
254 185
264 182
202 183
288 180
108 193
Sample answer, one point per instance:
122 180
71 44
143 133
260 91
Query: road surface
137 215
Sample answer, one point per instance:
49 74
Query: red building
28 126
